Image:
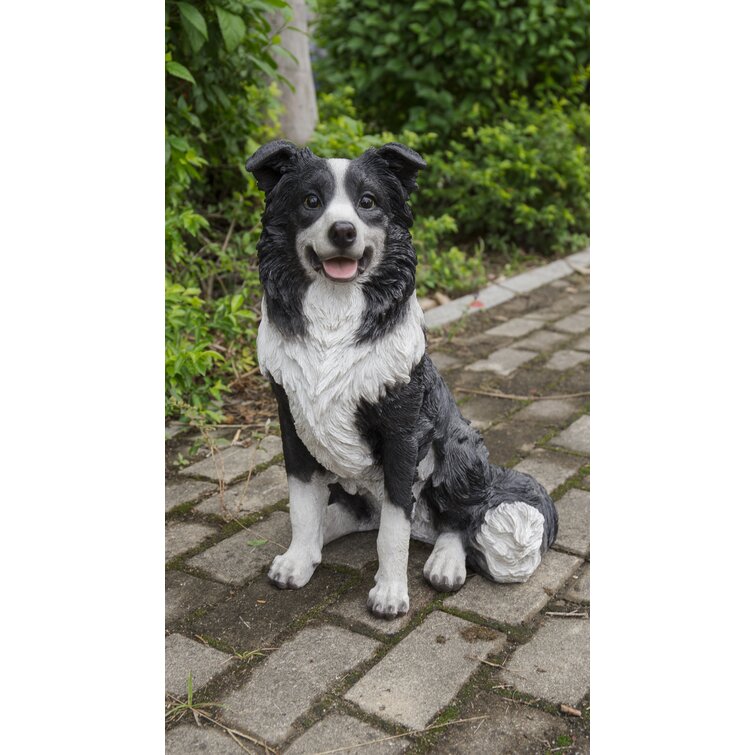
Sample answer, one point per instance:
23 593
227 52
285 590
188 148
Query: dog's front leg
308 495
390 595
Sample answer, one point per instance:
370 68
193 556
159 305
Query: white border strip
504 289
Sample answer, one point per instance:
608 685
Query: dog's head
339 217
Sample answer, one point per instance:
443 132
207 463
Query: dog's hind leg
446 568
348 513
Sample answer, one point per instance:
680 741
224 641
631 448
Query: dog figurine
372 437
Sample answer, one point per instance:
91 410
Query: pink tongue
340 268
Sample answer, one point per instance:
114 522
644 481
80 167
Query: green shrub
519 184
222 93
437 64
441 266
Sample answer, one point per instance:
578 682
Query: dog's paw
388 599
292 570
446 569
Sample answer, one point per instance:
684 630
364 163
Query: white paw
292 570
446 569
389 599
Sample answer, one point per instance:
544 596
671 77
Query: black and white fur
372 437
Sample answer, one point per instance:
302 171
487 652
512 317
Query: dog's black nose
342 234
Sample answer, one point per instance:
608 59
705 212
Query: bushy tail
513 533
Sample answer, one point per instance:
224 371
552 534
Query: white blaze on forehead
340 207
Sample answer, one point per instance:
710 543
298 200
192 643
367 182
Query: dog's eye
367 202
312 201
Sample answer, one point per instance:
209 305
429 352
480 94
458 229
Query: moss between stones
575 481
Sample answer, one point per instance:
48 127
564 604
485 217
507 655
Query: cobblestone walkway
312 671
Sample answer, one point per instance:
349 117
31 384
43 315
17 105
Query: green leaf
194 25
179 71
232 27
194 18
255 543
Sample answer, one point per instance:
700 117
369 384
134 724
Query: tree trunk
299 116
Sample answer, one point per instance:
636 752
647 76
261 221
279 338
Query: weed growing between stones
180 709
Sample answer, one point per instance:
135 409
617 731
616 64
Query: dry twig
233 733
564 708
498 394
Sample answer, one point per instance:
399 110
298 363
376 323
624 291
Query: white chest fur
326 376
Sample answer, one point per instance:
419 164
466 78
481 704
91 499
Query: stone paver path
312 671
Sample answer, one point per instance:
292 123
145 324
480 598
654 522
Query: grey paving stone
423 673
189 739
578 590
502 290
183 536
555 664
508 440
533 279
185 594
234 561
289 681
355 550
584 311
550 469
492 296
583 344
264 489
446 313
564 305
503 361
566 359
574 522
549 410
509 729
174 429
353 605
259 612
516 603
519 326
542 340
546 314
187 491
576 437
337 730
581 259
573 323
443 361
235 461
482 411
183 657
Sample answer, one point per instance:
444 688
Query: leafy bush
440 64
221 103
442 266
521 183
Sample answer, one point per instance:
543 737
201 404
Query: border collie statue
372 437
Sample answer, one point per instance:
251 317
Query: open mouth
340 269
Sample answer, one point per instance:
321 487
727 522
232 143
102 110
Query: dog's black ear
403 162
270 161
